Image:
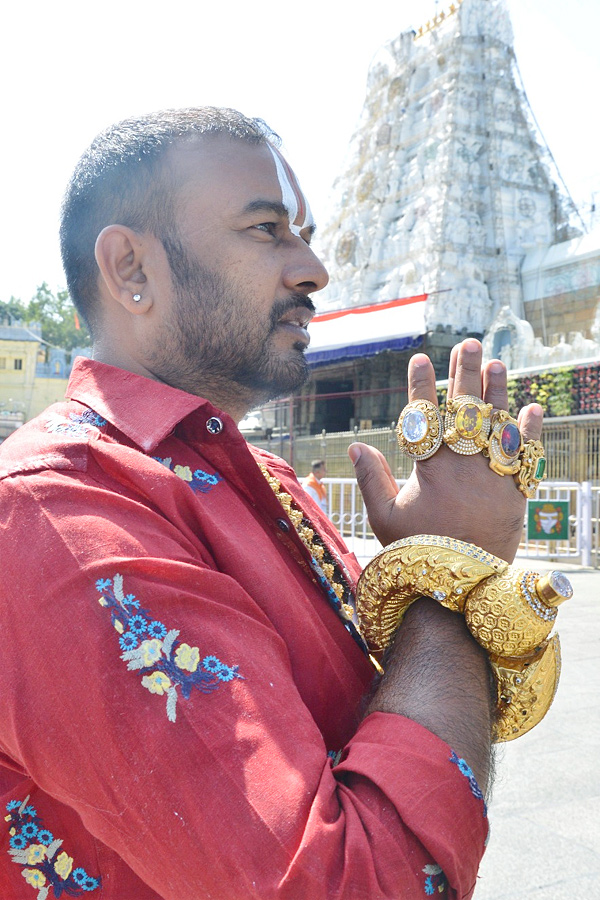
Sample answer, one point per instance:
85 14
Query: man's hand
450 494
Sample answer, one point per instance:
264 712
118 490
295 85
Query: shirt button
283 525
214 425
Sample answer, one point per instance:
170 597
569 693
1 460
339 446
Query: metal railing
595 524
582 546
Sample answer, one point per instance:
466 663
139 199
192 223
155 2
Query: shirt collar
144 410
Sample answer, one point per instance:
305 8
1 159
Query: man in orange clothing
314 486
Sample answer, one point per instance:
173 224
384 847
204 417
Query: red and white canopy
366 330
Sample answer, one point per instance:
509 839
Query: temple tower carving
448 184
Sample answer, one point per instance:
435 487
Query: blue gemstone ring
420 429
505 444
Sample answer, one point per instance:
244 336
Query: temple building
449 218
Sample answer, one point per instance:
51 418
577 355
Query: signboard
548 520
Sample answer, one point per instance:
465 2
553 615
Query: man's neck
230 399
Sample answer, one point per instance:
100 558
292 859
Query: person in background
313 484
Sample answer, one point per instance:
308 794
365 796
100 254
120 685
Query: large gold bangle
422 565
510 612
525 690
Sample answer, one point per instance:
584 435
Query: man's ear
120 256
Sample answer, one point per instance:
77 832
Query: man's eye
268 227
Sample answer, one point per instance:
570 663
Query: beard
216 339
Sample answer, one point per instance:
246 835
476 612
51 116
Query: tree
61 325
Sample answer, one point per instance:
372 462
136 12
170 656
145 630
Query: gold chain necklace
323 562
314 543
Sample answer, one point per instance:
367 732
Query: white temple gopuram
449 191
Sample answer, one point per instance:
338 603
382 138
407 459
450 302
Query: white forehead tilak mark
292 197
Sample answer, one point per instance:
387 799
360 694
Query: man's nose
305 272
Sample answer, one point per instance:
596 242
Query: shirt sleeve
151 695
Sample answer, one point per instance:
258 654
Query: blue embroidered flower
45 837
203 482
157 630
137 624
465 768
18 841
128 641
102 584
436 880
89 417
48 873
167 666
85 881
467 771
76 424
216 667
79 875
199 480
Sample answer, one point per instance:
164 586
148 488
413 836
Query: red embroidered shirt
173 678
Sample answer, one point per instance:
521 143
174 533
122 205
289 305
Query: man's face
241 277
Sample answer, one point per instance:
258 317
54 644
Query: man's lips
300 316
296 321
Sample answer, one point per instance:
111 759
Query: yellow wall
19 388
17 384
45 392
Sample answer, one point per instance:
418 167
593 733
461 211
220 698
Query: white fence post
585 523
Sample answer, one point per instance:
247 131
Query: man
313 485
186 708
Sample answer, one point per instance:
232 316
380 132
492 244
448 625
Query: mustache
281 307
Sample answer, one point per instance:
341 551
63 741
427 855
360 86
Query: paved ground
545 808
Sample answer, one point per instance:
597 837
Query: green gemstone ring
533 468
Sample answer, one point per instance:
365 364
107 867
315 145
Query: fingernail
497 367
354 452
471 346
419 360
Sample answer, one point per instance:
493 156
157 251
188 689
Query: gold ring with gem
420 429
467 424
533 468
505 444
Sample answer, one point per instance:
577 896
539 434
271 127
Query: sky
71 68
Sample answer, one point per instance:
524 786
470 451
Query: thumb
375 479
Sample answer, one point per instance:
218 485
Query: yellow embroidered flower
63 865
102 601
35 853
12 830
157 683
150 651
7 818
34 877
187 657
184 472
118 626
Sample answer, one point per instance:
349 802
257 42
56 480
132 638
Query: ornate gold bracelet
423 565
525 689
510 612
